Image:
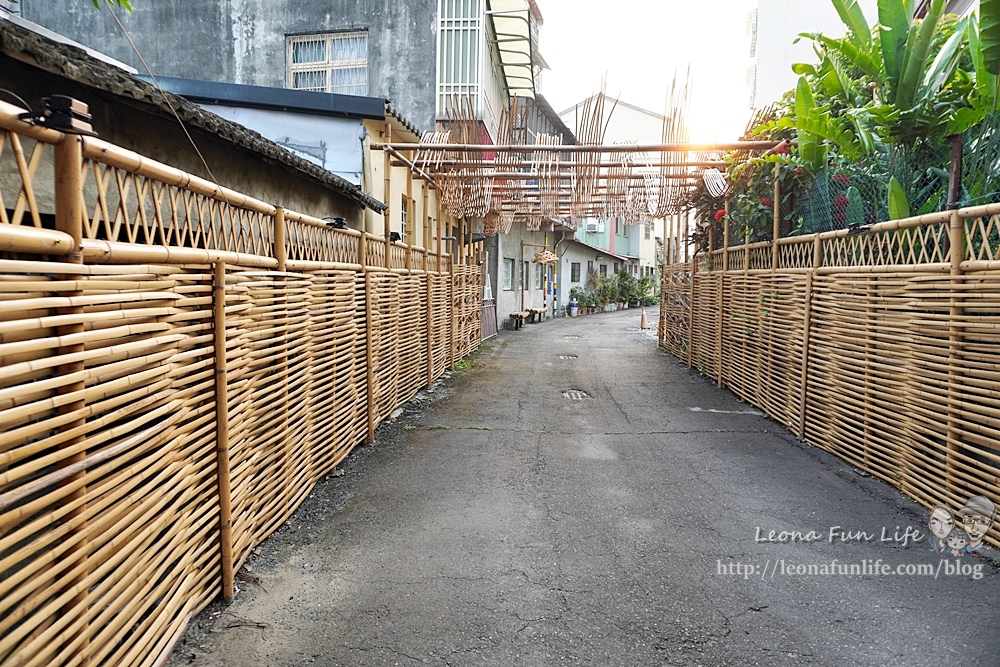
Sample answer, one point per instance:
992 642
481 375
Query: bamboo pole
280 247
676 147
956 310
386 220
429 330
720 328
725 240
68 164
440 230
804 365
410 210
369 359
776 234
363 251
426 227
222 454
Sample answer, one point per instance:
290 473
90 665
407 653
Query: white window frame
328 64
508 274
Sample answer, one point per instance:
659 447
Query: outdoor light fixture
336 223
62 113
395 236
857 229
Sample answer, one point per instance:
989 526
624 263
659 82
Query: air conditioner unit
595 227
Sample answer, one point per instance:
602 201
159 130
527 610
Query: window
574 272
618 267
404 209
525 277
649 230
331 63
508 274
603 270
539 276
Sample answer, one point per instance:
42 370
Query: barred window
330 63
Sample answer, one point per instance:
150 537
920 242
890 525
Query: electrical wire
27 107
166 99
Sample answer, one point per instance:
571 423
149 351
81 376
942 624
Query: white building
773 28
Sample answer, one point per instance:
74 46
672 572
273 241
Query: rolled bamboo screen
878 346
113 532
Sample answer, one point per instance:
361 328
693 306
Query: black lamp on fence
395 236
62 113
336 223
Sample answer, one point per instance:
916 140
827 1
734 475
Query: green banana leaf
989 34
810 147
986 81
894 23
856 56
916 56
899 206
852 16
943 68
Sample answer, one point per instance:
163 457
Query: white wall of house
772 52
517 282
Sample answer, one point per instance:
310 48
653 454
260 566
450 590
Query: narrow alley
578 496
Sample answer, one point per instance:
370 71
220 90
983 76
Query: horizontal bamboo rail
876 343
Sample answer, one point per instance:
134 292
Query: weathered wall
243 41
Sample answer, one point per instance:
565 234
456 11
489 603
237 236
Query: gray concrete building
378 48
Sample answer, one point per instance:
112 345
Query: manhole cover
576 395
572 336
567 356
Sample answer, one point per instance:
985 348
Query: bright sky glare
639 45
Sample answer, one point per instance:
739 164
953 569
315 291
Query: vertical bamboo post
369 356
222 456
710 258
720 329
386 217
68 164
461 240
957 240
776 234
429 330
363 251
426 229
691 309
804 365
280 247
725 239
411 210
440 230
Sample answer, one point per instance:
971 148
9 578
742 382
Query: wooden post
725 239
426 228
68 163
280 247
440 230
369 357
776 234
804 365
461 240
386 220
710 258
956 239
721 292
410 209
955 172
363 251
222 457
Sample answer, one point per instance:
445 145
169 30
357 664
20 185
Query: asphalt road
506 524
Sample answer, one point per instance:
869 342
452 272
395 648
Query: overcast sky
639 44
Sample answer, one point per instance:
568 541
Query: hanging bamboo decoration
222 431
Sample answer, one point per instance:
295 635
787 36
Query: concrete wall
508 246
243 41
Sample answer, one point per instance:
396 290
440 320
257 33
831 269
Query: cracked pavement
495 522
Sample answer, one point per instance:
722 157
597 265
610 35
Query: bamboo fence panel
383 314
125 410
412 335
878 345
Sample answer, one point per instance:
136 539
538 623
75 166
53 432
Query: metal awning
512 30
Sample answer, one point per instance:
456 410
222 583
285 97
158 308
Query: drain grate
572 336
566 357
576 395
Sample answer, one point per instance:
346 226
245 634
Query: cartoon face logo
977 517
941 522
957 539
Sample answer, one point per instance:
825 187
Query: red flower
840 202
780 149
766 201
842 179
798 170
720 214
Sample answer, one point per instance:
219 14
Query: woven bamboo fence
179 365
880 345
